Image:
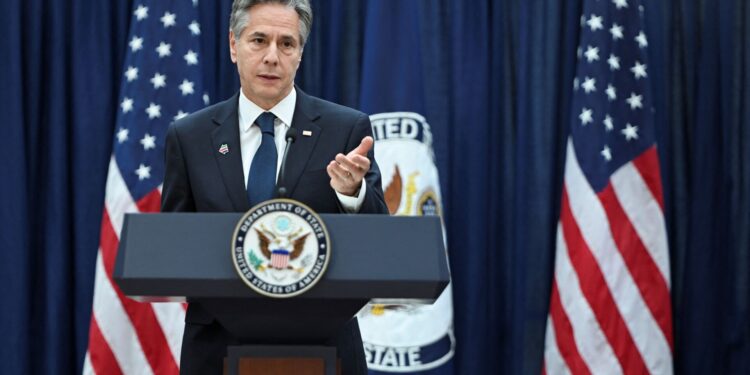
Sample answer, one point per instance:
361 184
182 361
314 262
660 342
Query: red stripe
150 335
597 293
647 165
564 335
150 203
648 278
103 361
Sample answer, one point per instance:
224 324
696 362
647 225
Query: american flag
160 83
610 310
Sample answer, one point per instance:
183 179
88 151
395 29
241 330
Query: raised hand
347 171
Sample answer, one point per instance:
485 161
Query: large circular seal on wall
280 248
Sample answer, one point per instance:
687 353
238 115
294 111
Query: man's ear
232 47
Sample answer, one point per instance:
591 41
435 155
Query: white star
131 73
630 132
576 84
159 80
592 53
164 49
586 116
583 20
148 141
143 172
168 19
606 153
186 87
141 12
616 31
180 115
589 84
634 101
611 93
205 99
195 28
191 57
136 43
153 111
620 3
579 52
608 124
639 70
195 3
595 22
614 62
641 39
122 135
127 105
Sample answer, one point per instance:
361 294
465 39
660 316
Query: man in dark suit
226 158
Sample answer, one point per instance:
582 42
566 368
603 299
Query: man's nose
272 55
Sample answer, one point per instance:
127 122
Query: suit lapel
303 120
227 132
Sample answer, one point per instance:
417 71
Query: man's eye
257 40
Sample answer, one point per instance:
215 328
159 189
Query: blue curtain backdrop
498 115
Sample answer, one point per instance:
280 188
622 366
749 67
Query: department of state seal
280 248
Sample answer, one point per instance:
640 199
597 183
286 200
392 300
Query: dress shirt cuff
353 204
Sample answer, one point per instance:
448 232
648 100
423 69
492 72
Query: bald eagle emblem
280 248
277 248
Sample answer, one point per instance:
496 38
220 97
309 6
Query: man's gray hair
238 18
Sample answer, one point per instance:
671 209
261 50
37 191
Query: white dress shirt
251 136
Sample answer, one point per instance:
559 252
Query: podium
187 257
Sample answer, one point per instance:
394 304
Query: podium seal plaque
280 248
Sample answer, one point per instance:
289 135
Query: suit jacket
198 178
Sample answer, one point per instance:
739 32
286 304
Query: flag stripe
100 356
151 202
117 200
147 328
568 349
115 326
645 214
171 317
648 278
641 266
648 166
598 295
588 335
87 368
553 360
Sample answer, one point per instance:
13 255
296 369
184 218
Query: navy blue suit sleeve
374 202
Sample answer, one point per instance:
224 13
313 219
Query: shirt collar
283 110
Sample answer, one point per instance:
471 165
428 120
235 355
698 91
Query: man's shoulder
207 117
330 109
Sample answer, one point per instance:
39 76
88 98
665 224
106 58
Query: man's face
267 53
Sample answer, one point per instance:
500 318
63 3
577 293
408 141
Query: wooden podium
187 257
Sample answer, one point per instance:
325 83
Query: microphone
291 136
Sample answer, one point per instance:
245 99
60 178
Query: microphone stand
291 136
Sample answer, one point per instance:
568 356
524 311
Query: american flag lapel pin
224 149
307 133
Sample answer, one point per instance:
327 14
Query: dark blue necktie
261 181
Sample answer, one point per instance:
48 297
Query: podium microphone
291 136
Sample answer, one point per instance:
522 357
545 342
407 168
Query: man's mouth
268 77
